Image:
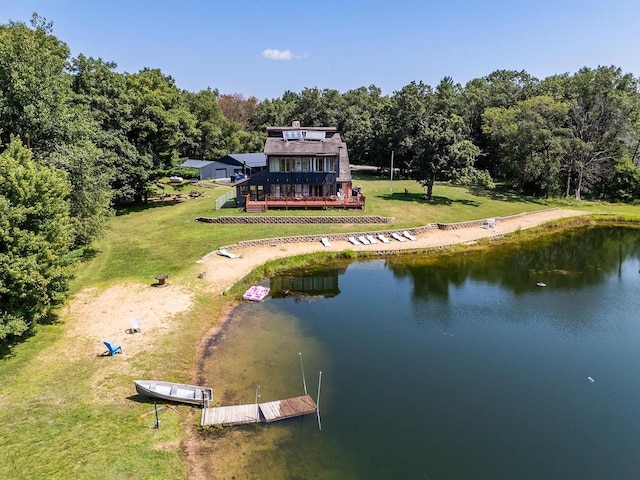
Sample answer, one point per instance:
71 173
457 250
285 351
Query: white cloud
275 54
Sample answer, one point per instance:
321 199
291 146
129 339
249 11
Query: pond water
444 368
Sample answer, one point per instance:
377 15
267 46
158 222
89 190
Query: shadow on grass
141 207
421 199
231 204
8 344
501 194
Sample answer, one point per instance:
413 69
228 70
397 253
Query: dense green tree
274 112
430 135
601 115
624 183
318 108
91 195
215 135
534 140
36 233
103 92
34 89
160 124
499 89
362 124
36 104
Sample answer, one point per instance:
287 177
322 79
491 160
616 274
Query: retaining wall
343 236
271 219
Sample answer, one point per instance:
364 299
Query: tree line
569 135
78 139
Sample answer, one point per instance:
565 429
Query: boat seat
181 392
163 389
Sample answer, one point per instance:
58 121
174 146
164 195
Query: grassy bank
60 419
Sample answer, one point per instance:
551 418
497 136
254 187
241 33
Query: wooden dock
259 412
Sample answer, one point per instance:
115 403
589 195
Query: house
228 166
245 163
306 167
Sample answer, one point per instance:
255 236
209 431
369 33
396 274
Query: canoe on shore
175 392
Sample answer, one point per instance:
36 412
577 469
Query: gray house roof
252 160
309 145
196 163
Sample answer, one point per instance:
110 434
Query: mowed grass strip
68 416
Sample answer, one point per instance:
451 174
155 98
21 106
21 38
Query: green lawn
53 428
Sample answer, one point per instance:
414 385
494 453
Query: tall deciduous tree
34 90
36 104
160 125
363 125
430 134
534 138
499 89
214 134
274 112
36 233
601 114
237 108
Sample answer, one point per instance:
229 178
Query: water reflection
569 260
451 367
306 285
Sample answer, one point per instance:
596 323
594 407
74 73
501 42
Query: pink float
256 293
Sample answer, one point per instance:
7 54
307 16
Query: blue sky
263 48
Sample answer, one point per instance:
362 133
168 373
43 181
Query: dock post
257 393
318 401
304 382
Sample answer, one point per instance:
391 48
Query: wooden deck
262 412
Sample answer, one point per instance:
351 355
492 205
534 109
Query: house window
274 164
331 164
306 164
285 164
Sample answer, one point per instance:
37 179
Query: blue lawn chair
113 348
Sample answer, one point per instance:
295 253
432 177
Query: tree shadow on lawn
421 199
7 345
141 207
501 194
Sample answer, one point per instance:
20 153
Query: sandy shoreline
95 315
222 272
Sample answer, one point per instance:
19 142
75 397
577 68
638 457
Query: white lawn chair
383 239
136 325
325 241
371 239
354 241
363 240
398 237
489 223
409 236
